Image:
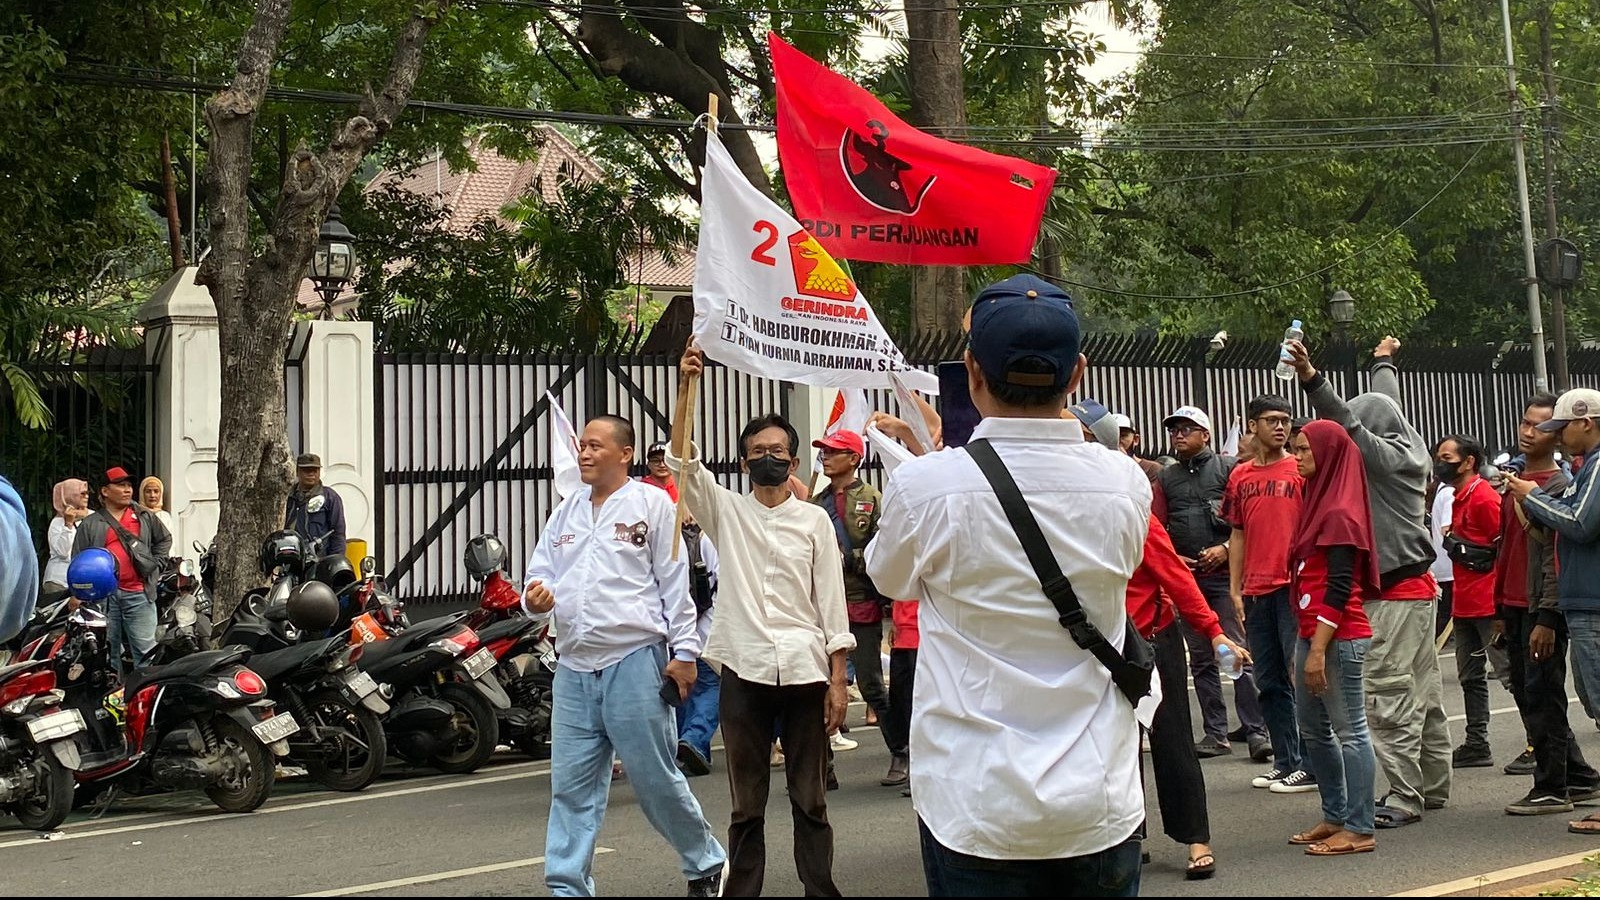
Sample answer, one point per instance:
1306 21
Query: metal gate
464 447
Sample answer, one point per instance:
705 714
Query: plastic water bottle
1229 663
1285 368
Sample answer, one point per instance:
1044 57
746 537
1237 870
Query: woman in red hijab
1335 570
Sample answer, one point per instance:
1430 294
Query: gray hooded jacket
1397 463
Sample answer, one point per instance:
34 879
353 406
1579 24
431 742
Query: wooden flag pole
688 387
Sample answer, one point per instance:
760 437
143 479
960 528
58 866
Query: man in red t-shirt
1262 504
1475 528
131 611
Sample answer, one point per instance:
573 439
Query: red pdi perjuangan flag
870 187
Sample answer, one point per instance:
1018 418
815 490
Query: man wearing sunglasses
1188 501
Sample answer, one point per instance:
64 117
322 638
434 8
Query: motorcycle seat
6 672
189 666
412 638
277 663
516 626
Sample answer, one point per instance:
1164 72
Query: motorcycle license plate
56 725
360 683
276 728
479 663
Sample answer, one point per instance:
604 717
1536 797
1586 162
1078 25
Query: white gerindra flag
770 301
563 451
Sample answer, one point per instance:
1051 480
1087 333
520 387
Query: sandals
1586 825
1201 867
1324 848
1391 817
1315 835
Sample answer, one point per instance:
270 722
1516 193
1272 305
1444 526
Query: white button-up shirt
616 585
1022 747
780 581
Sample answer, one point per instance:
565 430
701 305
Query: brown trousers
751 715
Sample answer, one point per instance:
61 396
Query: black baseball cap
1025 317
658 447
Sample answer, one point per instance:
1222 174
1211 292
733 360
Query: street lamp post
1342 310
334 262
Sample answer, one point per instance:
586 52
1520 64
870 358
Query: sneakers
691 762
1522 765
899 772
709 886
1269 779
1539 804
1210 747
840 743
1298 782
1578 794
1260 748
1467 756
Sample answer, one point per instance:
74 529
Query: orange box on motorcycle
355 550
365 629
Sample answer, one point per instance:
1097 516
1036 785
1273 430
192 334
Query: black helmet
313 606
282 548
485 555
335 572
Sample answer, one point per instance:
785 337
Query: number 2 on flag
761 254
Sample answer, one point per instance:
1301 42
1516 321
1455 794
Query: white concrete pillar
181 341
337 396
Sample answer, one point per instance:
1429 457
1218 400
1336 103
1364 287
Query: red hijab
1335 510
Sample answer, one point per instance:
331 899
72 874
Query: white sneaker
840 743
1269 779
1296 783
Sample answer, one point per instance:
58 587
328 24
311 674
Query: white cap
1123 422
1578 403
1188 414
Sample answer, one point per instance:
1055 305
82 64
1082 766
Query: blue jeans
699 715
1272 630
617 710
130 622
1333 728
1113 872
1583 629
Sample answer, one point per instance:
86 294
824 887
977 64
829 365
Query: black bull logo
880 177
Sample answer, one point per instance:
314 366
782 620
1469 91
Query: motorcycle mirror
369 564
315 504
186 568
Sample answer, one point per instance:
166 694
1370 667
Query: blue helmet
92 575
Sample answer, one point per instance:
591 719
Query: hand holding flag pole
689 371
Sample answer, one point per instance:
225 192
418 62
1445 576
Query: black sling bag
1131 669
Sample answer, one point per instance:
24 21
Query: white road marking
1496 712
215 817
1477 882
437 876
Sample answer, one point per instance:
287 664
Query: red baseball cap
117 474
843 440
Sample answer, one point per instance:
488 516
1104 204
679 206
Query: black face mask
768 471
1447 472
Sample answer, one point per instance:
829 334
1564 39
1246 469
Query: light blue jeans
1334 736
131 622
617 710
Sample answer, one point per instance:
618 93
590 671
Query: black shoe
1539 804
1467 756
709 886
1211 747
1238 734
899 772
833 781
691 762
1583 793
1260 748
1522 765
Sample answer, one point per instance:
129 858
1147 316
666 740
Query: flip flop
1390 817
1346 850
1198 871
1586 825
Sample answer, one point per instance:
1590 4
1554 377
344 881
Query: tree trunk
938 100
169 192
254 291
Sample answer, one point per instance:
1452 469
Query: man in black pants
1188 500
1536 632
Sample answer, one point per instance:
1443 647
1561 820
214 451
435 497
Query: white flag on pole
1230 446
768 300
563 450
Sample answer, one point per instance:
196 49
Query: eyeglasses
1183 431
1274 421
763 452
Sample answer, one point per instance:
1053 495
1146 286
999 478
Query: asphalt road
416 834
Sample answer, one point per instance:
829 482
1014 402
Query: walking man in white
625 632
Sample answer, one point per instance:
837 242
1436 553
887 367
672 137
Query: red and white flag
870 187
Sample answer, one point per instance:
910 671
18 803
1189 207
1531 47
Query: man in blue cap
996 669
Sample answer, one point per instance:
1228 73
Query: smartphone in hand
670 692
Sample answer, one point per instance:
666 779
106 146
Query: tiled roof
657 272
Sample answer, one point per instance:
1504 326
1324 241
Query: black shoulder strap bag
1131 669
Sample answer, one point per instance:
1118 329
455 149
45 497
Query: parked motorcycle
526 658
204 721
38 752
